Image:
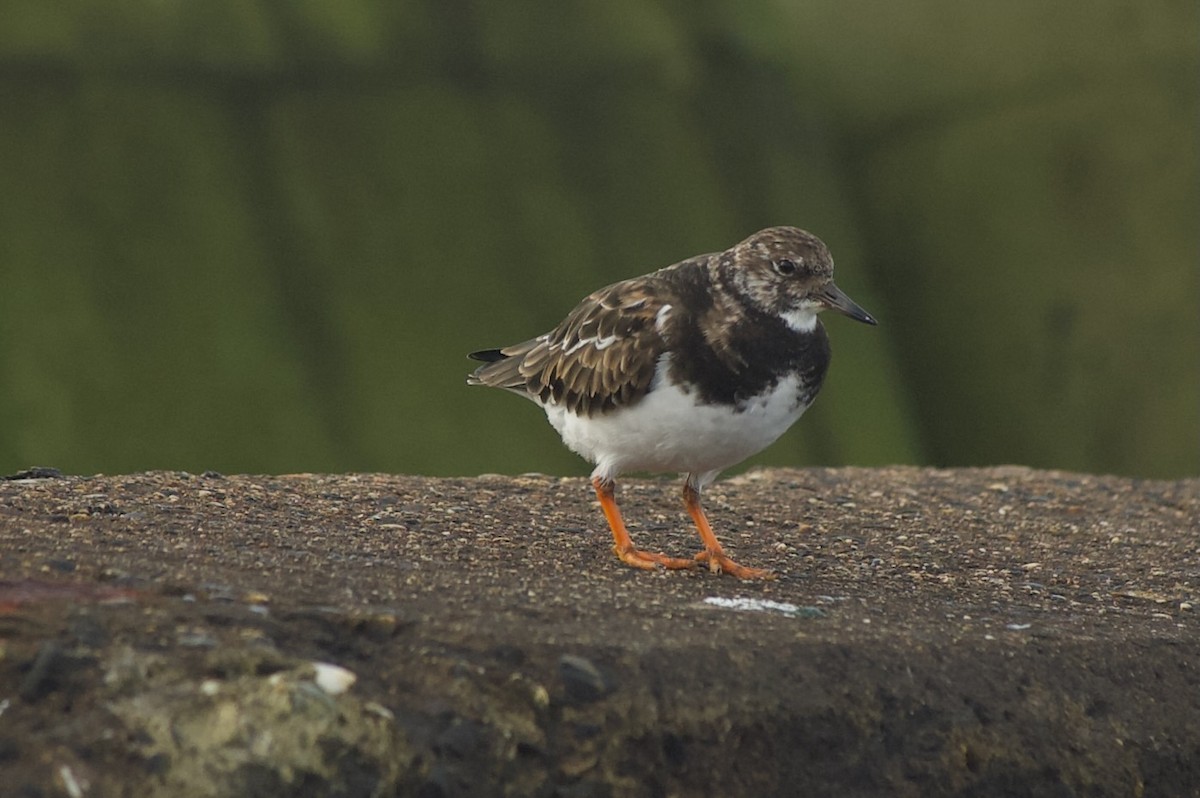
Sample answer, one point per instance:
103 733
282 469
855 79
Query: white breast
671 431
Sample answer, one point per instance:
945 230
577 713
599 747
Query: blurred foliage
254 236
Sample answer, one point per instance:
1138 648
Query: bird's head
788 272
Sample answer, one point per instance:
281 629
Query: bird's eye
785 266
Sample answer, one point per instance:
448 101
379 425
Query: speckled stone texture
984 632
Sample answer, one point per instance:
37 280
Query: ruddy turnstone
691 369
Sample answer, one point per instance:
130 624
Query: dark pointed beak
834 298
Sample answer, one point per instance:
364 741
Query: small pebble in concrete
333 679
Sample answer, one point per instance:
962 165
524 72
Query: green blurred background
261 236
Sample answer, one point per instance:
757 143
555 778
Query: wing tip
487 355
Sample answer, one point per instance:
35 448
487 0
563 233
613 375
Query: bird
690 369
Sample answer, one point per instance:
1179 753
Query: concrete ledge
984 632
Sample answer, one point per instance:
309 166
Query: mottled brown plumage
565 366
604 354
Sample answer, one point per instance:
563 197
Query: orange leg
718 561
622 543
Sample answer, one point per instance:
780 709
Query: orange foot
649 560
720 563
622 544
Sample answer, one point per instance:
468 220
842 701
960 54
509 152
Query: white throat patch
801 320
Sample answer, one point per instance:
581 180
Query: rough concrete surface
966 632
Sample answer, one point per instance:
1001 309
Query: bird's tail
488 356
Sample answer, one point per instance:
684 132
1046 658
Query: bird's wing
602 356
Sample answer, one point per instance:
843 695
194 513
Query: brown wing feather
600 357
